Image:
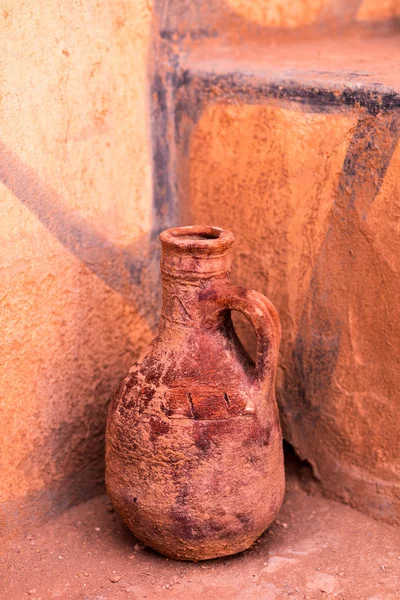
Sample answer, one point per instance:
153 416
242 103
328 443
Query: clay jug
194 460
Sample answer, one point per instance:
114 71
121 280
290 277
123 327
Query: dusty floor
317 549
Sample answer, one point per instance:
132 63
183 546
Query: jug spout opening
196 252
197 237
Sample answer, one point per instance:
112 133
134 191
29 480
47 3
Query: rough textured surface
278 13
81 86
295 149
75 209
316 77
187 22
194 459
312 199
318 549
370 10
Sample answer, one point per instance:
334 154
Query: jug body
194 460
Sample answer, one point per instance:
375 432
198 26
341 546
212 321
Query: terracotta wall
75 212
285 136
329 262
280 13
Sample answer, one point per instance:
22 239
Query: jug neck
193 258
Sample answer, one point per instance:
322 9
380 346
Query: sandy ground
316 549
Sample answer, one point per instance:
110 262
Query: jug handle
264 317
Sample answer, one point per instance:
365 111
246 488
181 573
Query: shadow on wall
68 452
131 271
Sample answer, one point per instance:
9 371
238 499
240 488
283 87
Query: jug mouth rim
207 237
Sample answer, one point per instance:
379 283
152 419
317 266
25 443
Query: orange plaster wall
271 175
76 211
370 10
76 192
278 13
284 14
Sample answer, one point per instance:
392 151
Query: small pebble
97 529
115 578
138 547
32 592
